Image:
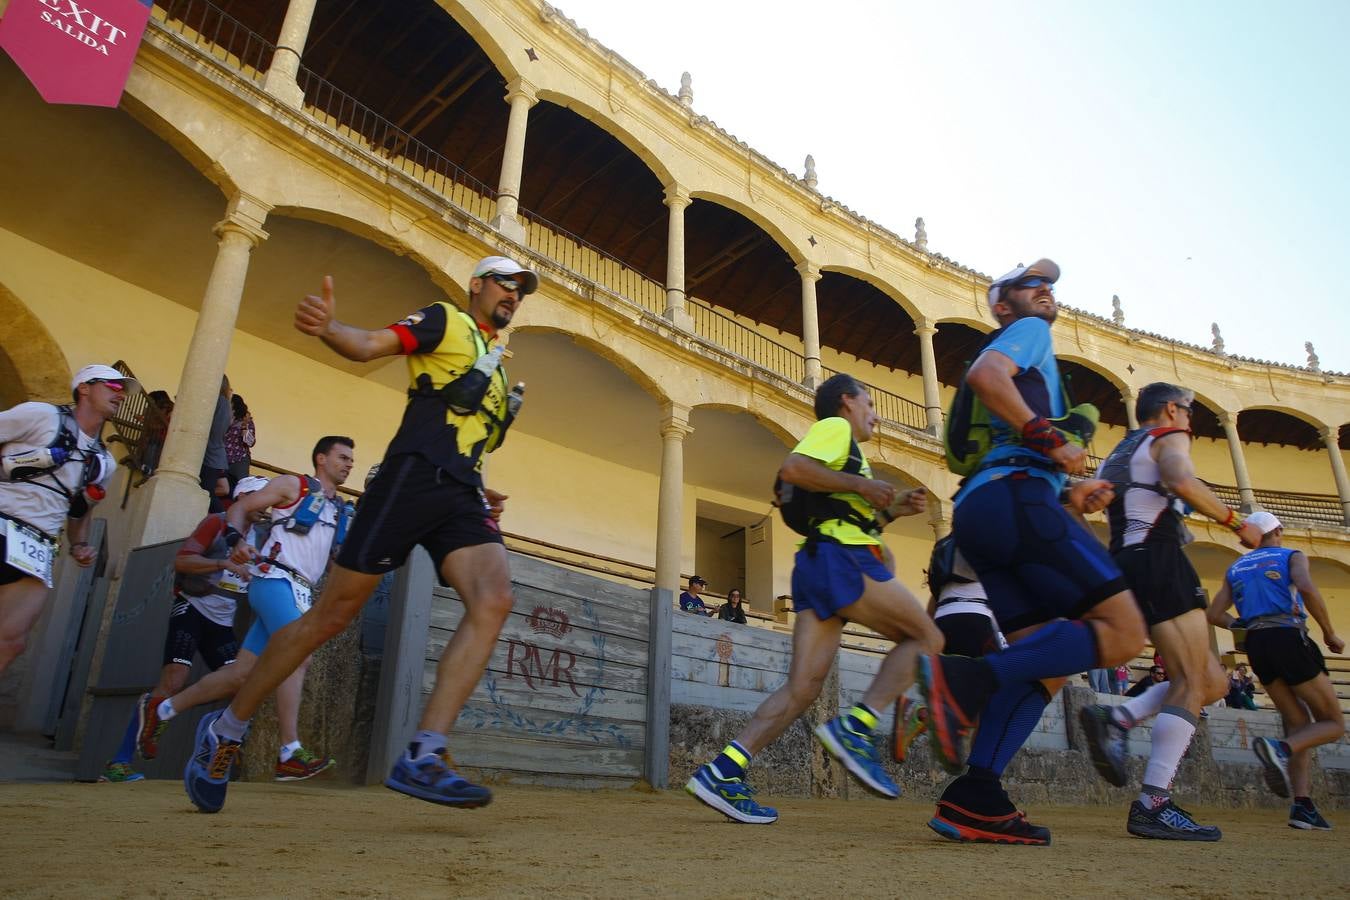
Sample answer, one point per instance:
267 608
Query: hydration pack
805 511
942 566
309 508
30 465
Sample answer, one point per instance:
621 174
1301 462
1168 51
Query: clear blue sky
1188 156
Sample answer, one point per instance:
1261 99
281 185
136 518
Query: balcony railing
744 341
1319 509
216 34
590 263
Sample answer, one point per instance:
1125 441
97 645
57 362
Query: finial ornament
1218 338
686 89
920 234
1117 314
1313 362
810 178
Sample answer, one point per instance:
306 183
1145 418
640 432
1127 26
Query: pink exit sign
75 51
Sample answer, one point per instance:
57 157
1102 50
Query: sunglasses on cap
1033 281
506 282
112 385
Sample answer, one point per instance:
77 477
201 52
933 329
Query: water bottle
31 463
515 399
465 394
489 361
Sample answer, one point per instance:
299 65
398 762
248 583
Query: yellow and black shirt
442 343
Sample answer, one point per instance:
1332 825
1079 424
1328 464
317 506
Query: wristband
1039 435
1232 522
232 536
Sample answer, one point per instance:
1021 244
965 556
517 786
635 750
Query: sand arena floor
145 840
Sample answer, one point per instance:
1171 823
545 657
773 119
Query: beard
500 318
1030 308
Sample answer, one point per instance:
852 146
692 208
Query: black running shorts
1162 579
1284 654
191 632
412 502
968 634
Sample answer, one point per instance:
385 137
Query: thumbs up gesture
314 314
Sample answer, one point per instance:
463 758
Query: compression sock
861 719
425 742
288 750
127 748
1151 796
165 710
230 727
1063 647
1172 732
733 761
1005 724
1136 709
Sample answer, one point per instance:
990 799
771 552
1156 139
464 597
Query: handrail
222 36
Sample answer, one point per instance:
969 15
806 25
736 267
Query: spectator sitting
1241 689
690 601
734 609
1155 675
239 440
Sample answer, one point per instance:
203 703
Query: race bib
302 595
29 553
232 583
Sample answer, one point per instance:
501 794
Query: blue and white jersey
1261 586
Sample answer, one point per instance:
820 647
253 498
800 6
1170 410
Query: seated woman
733 610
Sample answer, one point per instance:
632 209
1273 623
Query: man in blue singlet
1054 590
1273 590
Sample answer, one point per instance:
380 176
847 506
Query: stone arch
605 123
1094 366
886 287
32 364
604 350
486 39
1285 410
980 325
754 215
212 169
768 422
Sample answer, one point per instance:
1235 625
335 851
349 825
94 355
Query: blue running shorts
274 607
832 578
1035 561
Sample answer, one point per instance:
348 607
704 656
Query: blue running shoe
1305 818
729 796
859 755
430 778
1274 757
207 775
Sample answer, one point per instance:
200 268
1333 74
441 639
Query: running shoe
122 773
207 775
149 726
430 778
1168 822
858 753
964 826
948 721
1106 742
732 797
1305 818
1274 756
911 720
303 764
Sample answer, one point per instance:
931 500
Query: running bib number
233 583
28 553
302 595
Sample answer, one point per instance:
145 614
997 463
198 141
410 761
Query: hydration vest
309 507
942 566
1116 469
45 462
805 511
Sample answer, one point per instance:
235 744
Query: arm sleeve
1026 342
827 441
422 331
24 422
203 536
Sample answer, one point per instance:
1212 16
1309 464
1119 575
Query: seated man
691 602
1241 689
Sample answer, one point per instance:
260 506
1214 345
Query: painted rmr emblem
543 665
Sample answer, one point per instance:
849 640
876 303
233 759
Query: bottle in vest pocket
465 394
307 510
35 462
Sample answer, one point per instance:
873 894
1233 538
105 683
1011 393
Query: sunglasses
112 385
1185 407
1033 281
507 284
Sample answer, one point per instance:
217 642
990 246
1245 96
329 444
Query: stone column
932 394
1244 481
280 81
520 94
810 273
939 516
1331 437
1130 397
677 199
173 500
670 500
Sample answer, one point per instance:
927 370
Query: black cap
698 579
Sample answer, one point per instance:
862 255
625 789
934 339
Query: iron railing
589 263
745 342
217 34
1292 506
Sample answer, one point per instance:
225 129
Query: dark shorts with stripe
968 634
190 632
1284 654
1034 560
412 502
1162 579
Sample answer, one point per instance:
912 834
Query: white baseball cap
248 484
502 265
1264 520
1048 268
101 373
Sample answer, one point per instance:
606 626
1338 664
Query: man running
429 491
1274 593
207 587
1061 602
1152 473
838 576
308 523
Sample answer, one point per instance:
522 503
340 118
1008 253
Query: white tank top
1143 508
307 554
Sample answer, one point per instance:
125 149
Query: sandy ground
145 840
